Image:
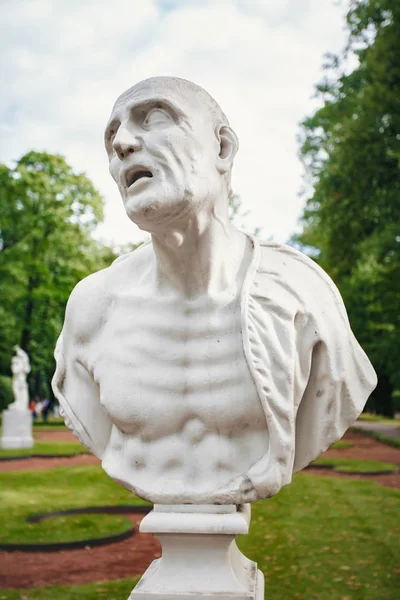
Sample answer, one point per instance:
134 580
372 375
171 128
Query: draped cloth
312 376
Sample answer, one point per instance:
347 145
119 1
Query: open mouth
135 174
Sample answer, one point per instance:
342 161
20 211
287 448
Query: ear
228 146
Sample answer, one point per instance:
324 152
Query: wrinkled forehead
183 100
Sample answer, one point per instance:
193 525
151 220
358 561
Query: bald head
181 92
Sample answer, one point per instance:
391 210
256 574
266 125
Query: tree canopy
47 215
351 151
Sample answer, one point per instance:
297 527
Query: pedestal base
200 559
17 429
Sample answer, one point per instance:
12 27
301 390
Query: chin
148 211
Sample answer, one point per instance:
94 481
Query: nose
125 143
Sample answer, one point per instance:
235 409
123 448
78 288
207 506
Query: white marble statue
17 419
205 367
20 368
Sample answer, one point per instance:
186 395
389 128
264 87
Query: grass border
28 456
345 466
380 437
79 544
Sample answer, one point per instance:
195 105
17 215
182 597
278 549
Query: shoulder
90 299
132 264
298 279
295 267
286 258
87 302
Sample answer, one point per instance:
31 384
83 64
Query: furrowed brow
161 103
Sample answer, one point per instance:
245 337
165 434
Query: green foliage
47 215
351 152
6 393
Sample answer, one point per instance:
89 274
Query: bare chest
163 365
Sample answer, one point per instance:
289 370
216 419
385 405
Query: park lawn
46 449
24 493
63 528
386 439
378 419
328 538
355 465
381 437
341 444
51 421
49 426
108 590
324 538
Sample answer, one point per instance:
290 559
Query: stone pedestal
17 429
200 559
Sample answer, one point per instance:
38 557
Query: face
162 152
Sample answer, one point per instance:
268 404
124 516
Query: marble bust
205 367
20 368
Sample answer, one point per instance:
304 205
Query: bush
6 393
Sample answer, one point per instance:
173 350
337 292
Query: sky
64 63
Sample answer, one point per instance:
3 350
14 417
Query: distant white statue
20 368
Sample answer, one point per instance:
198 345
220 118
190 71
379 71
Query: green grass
341 444
54 422
109 590
355 465
327 538
24 493
49 426
321 537
45 449
386 439
65 528
370 417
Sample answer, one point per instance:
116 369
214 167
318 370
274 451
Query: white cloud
65 64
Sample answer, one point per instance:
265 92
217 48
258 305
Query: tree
47 215
350 148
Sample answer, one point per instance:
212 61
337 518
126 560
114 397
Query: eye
157 117
110 135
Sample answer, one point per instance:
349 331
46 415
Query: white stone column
17 429
200 559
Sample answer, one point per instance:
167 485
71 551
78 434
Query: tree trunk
382 396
